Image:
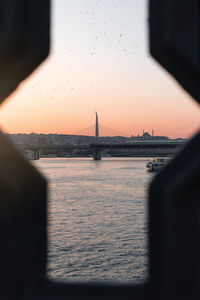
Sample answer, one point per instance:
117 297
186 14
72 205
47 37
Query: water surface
97 218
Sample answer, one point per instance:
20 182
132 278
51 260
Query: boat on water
156 165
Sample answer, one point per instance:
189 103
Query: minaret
152 133
97 127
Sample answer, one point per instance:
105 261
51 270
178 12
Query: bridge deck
137 144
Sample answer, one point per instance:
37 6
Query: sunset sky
99 61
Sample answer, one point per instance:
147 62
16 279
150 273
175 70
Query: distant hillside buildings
67 139
147 136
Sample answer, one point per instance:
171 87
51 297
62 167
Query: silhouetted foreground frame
174 197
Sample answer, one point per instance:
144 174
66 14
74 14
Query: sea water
97 218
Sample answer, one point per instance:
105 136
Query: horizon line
125 136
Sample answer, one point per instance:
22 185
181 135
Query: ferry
156 165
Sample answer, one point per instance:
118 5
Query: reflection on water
97 218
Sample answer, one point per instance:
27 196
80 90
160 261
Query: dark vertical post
23 217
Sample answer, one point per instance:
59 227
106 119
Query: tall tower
97 127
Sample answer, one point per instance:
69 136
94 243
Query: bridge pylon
97 154
97 127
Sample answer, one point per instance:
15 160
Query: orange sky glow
99 62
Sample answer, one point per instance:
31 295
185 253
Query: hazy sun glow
99 62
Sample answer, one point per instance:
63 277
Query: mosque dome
146 136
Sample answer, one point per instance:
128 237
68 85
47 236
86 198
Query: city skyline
90 132
98 130
99 62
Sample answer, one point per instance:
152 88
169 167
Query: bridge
98 149
137 148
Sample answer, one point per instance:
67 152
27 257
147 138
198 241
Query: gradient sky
99 62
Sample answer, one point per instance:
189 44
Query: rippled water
97 218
